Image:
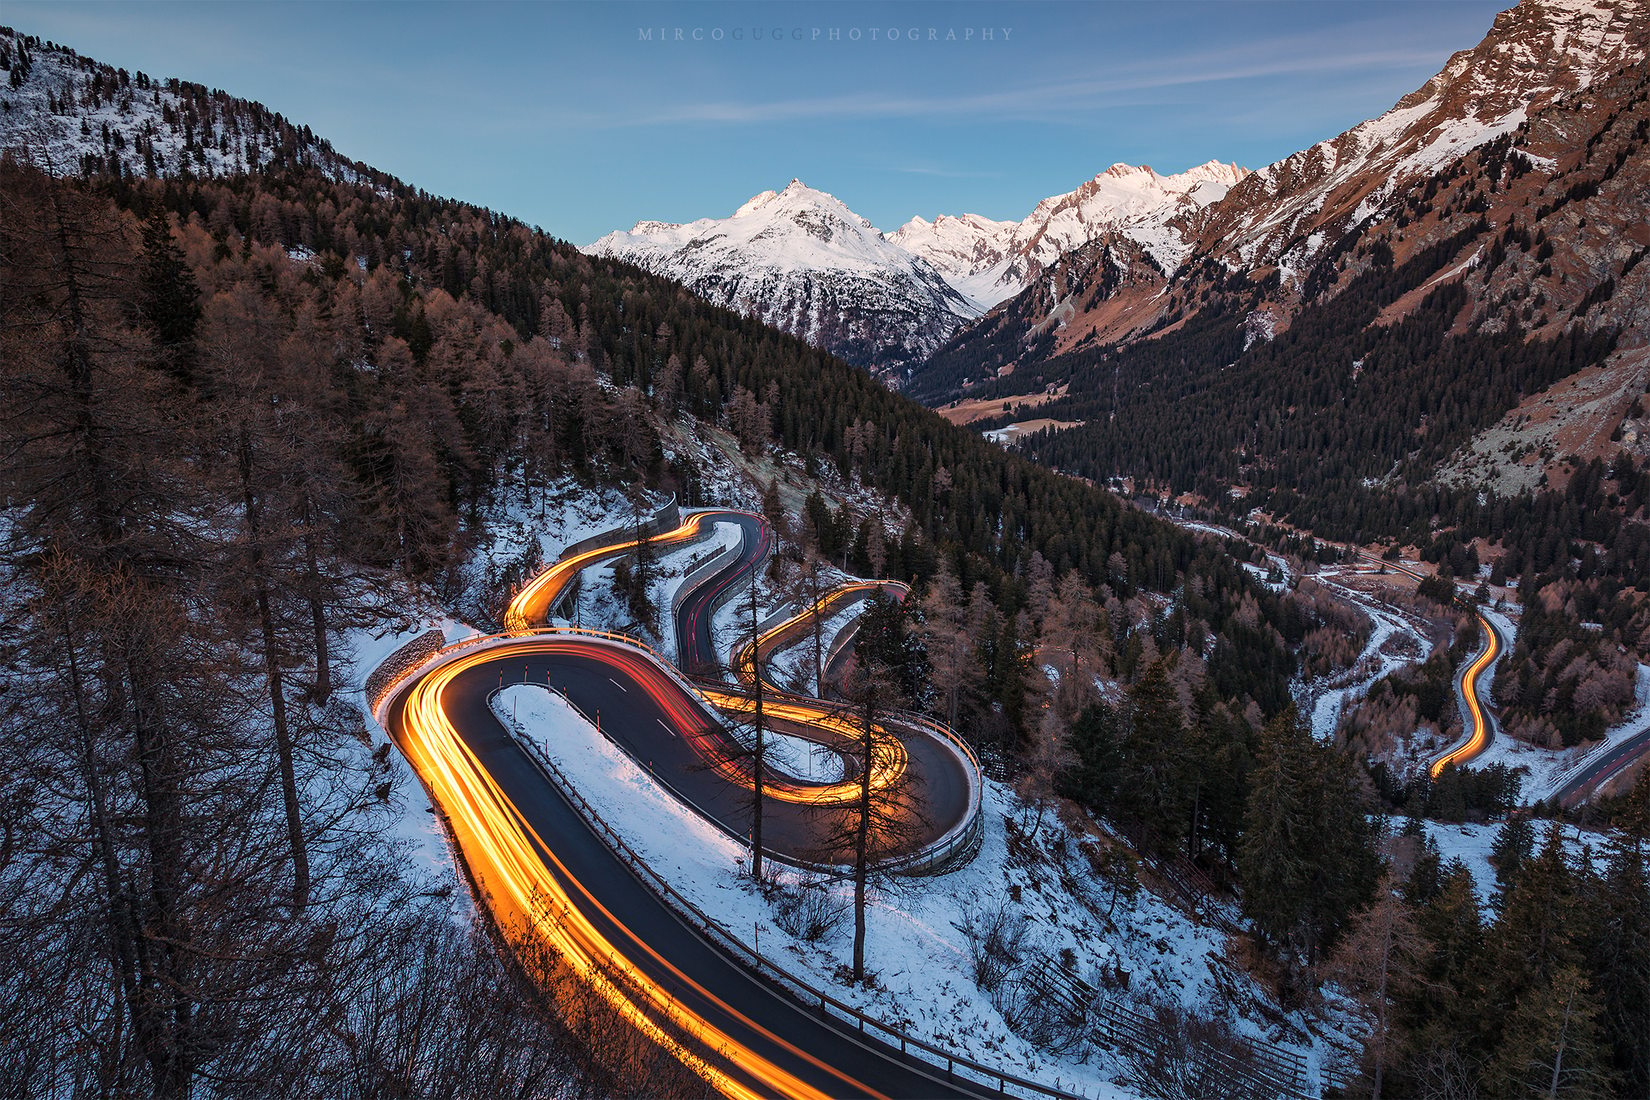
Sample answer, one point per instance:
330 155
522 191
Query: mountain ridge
801 260
1515 107
794 257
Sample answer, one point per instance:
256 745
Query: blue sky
585 117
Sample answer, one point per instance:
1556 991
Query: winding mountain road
1482 733
1466 689
544 871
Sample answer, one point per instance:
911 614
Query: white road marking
618 685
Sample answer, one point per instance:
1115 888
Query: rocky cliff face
1293 212
1528 151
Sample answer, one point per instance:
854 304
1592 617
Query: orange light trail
532 604
499 847
889 755
1480 738
888 761
1467 685
744 661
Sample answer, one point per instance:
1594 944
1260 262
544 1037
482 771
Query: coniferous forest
219 456
246 414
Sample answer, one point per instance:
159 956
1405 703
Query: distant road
1466 683
1581 786
1466 689
1575 790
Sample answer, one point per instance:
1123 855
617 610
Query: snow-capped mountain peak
1534 54
990 261
800 259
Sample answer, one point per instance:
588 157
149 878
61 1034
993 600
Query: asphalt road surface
772 1044
540 865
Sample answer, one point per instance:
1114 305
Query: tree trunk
277 691
1558 1055
163 1016
819 640
862 839
757 760
122 927
317 609
283 752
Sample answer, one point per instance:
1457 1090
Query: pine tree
1096 746
1378 962
1621 962
1511 848
1308 857
1426 876
1155 792
1441 1013
1535 933
170 299
1552 1046
945 636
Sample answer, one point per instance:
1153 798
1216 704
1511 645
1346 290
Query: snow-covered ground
1471 845
555 516
1379 657
917 948
1264 576
793 666
74 129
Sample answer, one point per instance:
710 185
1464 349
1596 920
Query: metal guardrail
693 578
664 518
930 1053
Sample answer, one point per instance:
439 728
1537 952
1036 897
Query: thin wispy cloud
1008 103
946 173
555 112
